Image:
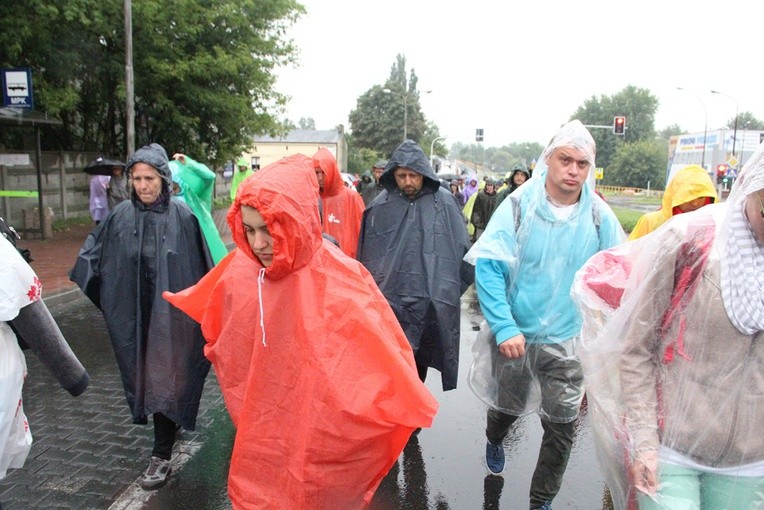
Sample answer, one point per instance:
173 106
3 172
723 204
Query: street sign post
17 87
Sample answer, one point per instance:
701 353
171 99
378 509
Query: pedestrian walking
317 375
371 190
673 356
145 246
342 207
25 320
118 189
194 184
412 241
689 189
485 204
241 172
525 263
99 204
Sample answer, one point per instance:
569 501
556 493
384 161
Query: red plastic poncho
317 375
343 207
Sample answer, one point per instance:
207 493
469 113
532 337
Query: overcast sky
519 69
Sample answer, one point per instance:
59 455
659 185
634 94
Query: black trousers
164 436
553 454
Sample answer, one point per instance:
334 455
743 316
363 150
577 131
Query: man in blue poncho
525 262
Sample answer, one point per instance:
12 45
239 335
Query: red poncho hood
342 207
316 373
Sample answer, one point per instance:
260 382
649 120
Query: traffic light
619 124
478 135
721 172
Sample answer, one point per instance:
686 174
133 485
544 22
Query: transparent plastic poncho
673 359
537 255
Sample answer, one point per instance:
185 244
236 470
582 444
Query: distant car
349 180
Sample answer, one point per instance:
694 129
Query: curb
63 297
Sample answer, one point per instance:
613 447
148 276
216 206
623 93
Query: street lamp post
705 125
405 96
432 147
734 130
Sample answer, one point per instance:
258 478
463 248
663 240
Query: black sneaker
156 475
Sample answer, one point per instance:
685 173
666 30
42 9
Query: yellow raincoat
688 184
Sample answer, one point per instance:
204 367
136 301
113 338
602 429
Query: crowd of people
323 321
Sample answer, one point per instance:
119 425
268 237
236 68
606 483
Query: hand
179 157
644 472
513 347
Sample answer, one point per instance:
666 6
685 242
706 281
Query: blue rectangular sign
17 87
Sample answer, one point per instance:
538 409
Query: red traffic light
619 125
721 170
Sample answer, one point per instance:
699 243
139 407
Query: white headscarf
742 260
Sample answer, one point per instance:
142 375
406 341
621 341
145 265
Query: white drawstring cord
260 278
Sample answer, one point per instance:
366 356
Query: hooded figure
413 242
22 312
195 185
526 259
342 206
371 190
241 172
514 182
147 245
689 189
118 189
673 355
318 378
470 188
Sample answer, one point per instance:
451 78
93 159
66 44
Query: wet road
443 468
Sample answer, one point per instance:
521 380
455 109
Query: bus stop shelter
29 119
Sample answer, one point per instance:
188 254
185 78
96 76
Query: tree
637 164
377 121
308 123
637 105
204 80
745 120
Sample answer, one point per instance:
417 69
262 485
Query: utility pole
129 85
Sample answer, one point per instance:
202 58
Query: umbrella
102 166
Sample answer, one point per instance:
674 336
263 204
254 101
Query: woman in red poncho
316 373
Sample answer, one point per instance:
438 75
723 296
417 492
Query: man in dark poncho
147 245
412 241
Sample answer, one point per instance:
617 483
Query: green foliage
627 217
638 105
377 122
745 120
637 164
204 80
61 224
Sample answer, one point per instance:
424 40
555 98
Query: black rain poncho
125 264
414 250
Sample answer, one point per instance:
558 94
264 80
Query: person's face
489 188
116 171
147 183
377 173
568 169
692 204
454 188
518 178
321 176
242 168
258 237
754 212
408 181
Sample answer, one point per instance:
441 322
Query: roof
329 136
26 117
